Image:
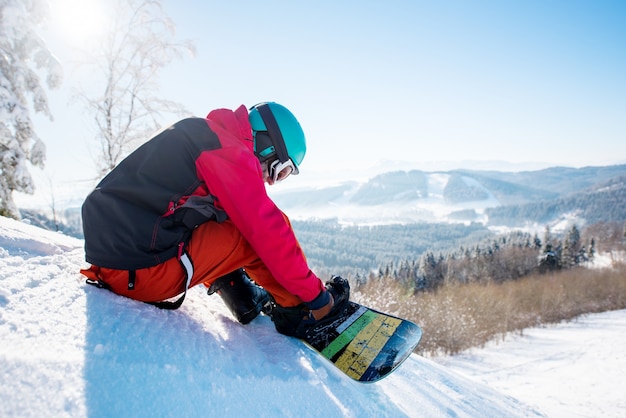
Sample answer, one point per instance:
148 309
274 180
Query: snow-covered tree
127 107
571 248
23 54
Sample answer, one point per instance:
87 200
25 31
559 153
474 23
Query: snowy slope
71 350
575 369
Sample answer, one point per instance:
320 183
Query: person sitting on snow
189 207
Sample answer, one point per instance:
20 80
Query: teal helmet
277 133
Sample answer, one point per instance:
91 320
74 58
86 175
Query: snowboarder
189 207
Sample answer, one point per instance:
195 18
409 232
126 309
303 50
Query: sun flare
79 21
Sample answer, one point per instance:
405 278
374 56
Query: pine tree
571 248
536 242
591 252
547 239
22 54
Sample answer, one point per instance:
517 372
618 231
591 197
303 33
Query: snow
579 366
398 208
72 350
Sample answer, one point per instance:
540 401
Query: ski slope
72 350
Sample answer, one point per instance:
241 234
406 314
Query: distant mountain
491 197
603 202
356 226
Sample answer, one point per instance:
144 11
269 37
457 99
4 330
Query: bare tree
140 43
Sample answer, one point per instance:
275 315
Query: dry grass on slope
458 317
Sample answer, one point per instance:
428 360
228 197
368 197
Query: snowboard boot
242 297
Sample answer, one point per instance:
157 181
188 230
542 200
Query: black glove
340 289
295 321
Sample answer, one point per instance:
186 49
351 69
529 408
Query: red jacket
195 171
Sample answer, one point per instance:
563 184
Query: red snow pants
215 249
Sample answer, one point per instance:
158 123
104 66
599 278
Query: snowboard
363 343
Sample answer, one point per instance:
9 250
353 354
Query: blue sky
420 81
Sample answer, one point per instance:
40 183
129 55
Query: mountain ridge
458 195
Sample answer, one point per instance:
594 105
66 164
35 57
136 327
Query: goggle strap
274 132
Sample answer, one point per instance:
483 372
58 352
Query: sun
79 22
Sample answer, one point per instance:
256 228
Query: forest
337 249
482 293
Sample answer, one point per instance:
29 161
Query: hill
71 350
494 198
602 202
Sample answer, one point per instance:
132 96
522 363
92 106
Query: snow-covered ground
71 350
574 369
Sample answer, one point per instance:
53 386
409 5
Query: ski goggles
279 171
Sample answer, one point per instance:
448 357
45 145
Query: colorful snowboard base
365 344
